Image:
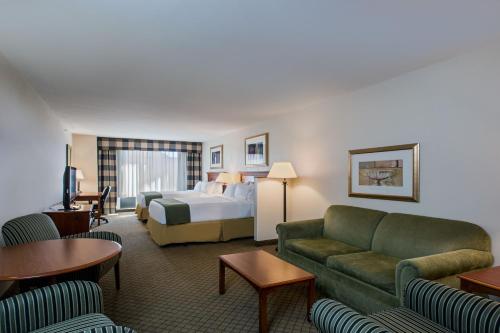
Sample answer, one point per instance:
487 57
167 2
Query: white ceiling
191 70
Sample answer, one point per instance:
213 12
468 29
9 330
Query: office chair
98 209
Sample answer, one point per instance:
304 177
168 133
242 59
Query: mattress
207 208
141 200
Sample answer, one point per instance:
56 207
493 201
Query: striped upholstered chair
68 307
38 227
427 307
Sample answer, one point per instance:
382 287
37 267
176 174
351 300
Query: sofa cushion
319 249
77 324
410 236
370 267
402 320
352 225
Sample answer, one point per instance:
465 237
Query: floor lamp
285 171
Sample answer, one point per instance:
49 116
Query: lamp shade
283 170
79 174
228 178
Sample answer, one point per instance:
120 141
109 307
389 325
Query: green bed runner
148 196
176 212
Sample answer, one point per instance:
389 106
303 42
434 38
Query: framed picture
390 173
217 157
257 150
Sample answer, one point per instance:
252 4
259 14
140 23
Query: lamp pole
284 199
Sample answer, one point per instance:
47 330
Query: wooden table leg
263 311
117 274
311 295
222 278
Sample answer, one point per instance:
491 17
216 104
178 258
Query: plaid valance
142 144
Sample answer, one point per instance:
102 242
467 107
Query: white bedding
170 194
208 208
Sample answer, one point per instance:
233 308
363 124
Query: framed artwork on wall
257 150
389 173
217 157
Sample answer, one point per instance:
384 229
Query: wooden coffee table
52 258
265 273
486 281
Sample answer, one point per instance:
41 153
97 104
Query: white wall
452 109
32 146
84 157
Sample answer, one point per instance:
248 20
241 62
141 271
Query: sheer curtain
139 171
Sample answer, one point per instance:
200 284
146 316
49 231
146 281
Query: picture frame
257 150
388 173
217 157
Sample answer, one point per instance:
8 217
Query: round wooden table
52 258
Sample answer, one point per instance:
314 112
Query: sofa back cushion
410 236
352 225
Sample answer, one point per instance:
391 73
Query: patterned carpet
175 288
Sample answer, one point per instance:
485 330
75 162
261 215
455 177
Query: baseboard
266 242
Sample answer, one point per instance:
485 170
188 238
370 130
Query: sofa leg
117 275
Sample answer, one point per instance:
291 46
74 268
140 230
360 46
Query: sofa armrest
300 229
110 329
107 235
49 305
440 265
330 316
454 309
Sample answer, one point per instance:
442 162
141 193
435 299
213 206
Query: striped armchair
38 227
68 307
428 307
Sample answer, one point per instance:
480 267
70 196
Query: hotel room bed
212 219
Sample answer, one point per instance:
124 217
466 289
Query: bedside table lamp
228 178
79 177
282 170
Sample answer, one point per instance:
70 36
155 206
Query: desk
69 222
51 258
88 196
486 281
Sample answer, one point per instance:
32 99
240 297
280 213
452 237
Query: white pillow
203 186
251 192
241 191
214 188
197 187
229 192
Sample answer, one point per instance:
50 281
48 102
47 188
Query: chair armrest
440 265
454 309
110 329
107 235
49 305
330 316
301 229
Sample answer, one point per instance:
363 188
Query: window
139 171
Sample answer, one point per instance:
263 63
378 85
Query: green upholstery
330 316
440 265
410 236
352 225
428 307
78 324
396 248
73 306
370 267
38 227
29 228
319 248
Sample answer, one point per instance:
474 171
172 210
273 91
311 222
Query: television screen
69 186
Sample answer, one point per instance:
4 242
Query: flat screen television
69 186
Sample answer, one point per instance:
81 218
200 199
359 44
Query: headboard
246 176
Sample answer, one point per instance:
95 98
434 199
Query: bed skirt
207 231
141 212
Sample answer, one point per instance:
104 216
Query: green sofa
364 258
